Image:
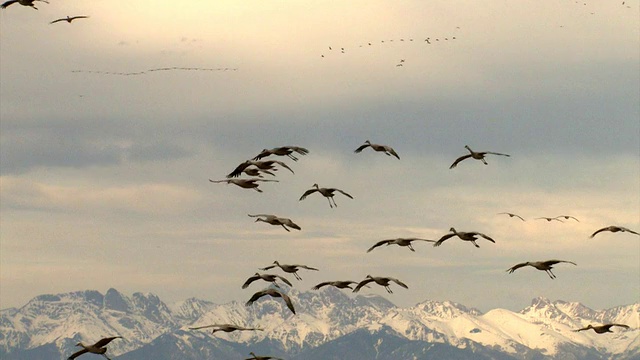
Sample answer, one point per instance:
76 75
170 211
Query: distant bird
266 277
601 329
474 155
224 327
382 281
466 236
244 183
382 148
540 265
272 293
292 269
512 215
262 165
282 151
256 357
326 192
399 241
338 284
97 348
274 220
567 217
69 19
22 2
614 229
549 219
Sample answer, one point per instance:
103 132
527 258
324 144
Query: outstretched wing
287 300
379 243
306 267
495 153
584 328
392 152
399 283
204 327
343 193
284 280
249 281
239 169
362 147
255 297
455 163
268 267
516 267
307 193
442 239
104 341
283 165
628 230
79 352
361 284
599 231
299 150
325 283
263 154
57 20
621 325
484 236
553 262
4 5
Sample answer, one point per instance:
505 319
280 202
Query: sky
104 176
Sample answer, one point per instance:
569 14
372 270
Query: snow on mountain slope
322 316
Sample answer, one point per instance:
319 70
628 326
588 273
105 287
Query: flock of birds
257 169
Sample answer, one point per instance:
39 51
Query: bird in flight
377 147
262 165
292 269
466 236
399 241
244 183
474 155
21 2
69 19
540 265
274 220
256 357
601 329
326 192
512 215
339 284
224 327
567 217
382 281
272 293
282 151
99 348
549 219
266 277
614 229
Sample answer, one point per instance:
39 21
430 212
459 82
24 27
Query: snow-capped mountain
328 324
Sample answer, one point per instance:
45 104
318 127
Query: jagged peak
446 309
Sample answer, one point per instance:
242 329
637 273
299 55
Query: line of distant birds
143 72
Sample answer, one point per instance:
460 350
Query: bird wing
263 180
361 284
220 181
442 239
599 231
362 147
249 281
299 150
307 193
105 341
552 262
516 267
204 327
79 17
57 20
379 243
4 5
484 236
399 283
418 239
495 153
621 325
79 352
584 328
321 285
284 280
255 297
458 160
287 301
306 267
268 267
629 230
283 165
289 223
238 170
263 154
343 193
392 152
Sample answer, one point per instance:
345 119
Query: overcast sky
104 177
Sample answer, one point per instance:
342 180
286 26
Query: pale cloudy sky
104 178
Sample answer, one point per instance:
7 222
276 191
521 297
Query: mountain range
329 324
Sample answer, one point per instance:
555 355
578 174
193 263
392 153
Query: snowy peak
445 309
